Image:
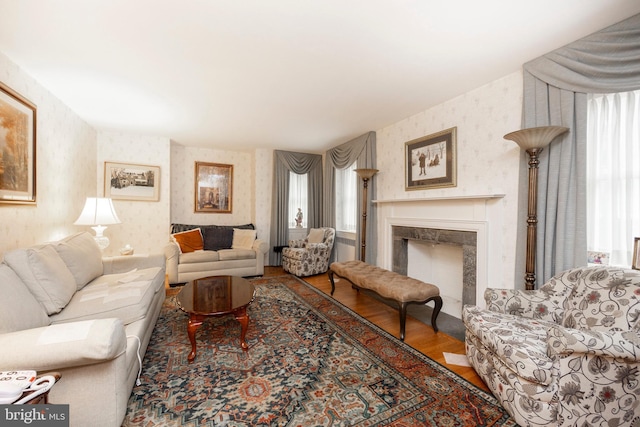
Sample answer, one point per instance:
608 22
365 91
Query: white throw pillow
82 256
243 239
45 274
316 235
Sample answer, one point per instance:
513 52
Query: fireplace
454 294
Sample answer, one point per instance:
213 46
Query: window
297 198
346 198
613 175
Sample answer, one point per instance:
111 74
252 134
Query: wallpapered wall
252 182
145 225
487 163
65 168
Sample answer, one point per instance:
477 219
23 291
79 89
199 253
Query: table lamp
98 212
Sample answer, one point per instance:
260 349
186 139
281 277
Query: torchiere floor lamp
366 175
533 141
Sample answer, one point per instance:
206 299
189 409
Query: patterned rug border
406 347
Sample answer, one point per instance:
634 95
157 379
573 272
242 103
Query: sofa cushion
198 256
45 274
606 299
243 239
231 254
19 309
316 235
82 256
124 296
520 343
189 241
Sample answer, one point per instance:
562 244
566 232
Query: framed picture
430 161
17 148
125 181
213 188
635 263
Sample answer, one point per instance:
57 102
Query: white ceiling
299 75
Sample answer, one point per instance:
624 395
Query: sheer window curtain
613 174
347 190
298 187
555 93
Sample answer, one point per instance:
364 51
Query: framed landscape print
213 188
430 161
125 181
17 148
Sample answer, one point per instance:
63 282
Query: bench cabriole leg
403 318
333 285
436 310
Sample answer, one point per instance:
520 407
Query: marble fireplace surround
461 221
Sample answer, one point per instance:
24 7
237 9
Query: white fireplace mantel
438 199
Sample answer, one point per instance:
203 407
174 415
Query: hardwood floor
417 334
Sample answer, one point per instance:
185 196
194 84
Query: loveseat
197 251
567 354
64 308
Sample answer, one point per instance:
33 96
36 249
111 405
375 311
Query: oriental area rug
311 362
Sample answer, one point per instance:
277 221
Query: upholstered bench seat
390 285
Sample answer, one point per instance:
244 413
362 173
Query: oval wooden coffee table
215 296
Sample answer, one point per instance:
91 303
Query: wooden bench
393 286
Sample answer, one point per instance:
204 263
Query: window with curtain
613 175
346 198
297 198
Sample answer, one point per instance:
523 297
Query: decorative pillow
45 274
243 239
189 241
19 310
83 257
605 300
216 238
316 235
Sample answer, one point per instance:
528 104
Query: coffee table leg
243 318
194 324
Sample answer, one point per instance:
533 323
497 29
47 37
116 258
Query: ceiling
287 74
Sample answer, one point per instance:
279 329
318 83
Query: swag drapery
555 93
363 150
300 163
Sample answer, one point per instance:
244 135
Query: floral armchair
565 354
311 255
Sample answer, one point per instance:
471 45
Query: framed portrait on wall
126 181
17 148
213 188
430 161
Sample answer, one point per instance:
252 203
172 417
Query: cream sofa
64 308
567 354
217 258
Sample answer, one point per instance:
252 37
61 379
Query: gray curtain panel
555 93
300 163
363 150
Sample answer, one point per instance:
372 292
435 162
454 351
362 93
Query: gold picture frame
18 154
635 262
127 181
430 161
213 188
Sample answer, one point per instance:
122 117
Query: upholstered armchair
565 354
310 255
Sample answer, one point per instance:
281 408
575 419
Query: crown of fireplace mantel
440 199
